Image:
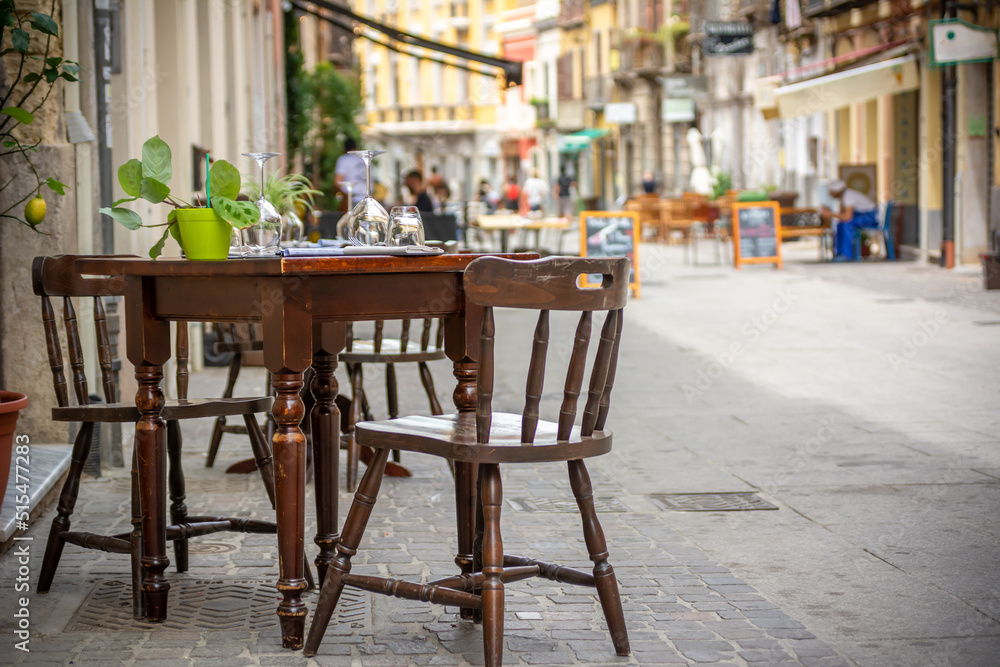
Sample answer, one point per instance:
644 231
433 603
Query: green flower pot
202 234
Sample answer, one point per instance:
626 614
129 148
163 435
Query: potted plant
290 195
203 233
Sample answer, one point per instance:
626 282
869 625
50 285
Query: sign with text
620 113
728 38
611 234
757 233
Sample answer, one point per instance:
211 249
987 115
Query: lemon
34 211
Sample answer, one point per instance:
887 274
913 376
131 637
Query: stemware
264 236
345 220
369 222
405 226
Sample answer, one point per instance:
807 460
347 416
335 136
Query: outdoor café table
303 305
505 223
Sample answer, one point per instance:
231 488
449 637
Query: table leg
465 477
325 420
290 493
150 446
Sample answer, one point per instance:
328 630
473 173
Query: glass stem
261 179
368 175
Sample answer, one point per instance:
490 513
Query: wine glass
264 236
344 223
369 223
405 226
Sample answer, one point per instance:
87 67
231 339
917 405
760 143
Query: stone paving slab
681 607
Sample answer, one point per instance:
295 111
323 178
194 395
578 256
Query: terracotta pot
11 404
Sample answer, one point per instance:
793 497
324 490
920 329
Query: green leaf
19 114
71 67
68 76
152 190
44 23
129 177
56 186
50 75
54 61
156 160
157 248
239 214
224 180
6 15
123 200
19 40
31 77
126 217
172 216
9 144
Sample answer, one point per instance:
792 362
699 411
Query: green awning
578 141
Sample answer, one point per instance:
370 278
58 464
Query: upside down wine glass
345 220
369 223
264 236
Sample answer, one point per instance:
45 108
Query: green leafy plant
287 193
336 102
15 101
147 179
723 184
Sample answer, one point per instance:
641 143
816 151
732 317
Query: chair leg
427 380
350 538
597 547
261 454
220 422
135 542
492 591
353 454
67 502
392 399
175 482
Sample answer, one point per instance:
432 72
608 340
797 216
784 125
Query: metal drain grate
710 502
564 505
217 604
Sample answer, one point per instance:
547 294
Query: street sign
684 85
678 111
728 38
955 42
620 113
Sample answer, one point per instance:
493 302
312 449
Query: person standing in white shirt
351 169
533 192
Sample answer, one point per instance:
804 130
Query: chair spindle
404 335
484 383
574 376
425 335
55 352
536 378
104 352
379 327
602 413
75 350
182 359
599 374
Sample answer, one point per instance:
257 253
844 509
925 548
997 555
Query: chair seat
189 408
454 437
391 352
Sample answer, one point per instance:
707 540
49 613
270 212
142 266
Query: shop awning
852 86
578 141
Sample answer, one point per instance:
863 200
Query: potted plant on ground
203 233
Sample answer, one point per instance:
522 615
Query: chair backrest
426 335
546 285
57 277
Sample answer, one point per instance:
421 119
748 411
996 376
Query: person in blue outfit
856 211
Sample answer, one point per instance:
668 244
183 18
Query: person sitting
648 183
414 182
856 211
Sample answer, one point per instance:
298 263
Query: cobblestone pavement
681 607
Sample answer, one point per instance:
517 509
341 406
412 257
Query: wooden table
506 223
303 305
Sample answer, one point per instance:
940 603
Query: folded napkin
312 252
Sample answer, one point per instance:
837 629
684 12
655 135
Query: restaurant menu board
757 233
611 234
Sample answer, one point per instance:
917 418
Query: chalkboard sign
757 233
611 234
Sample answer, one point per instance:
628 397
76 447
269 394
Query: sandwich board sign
611 234
757 233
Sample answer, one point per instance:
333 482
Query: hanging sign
955 42
728 38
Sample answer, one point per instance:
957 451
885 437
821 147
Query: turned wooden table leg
325 419
289 487
465 478
150 445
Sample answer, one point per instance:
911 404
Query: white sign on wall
620 113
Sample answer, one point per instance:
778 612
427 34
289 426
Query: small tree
17 106
336 100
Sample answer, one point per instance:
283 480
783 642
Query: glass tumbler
405 226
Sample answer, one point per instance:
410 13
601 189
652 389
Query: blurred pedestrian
534 192
351 169
563 191
649 183
511 194
435 180
488 195
414 181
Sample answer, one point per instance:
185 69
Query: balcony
819 9
597 91
571 13
570 115
640 54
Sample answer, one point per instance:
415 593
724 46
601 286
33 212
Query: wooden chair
490 438
388 351
54 277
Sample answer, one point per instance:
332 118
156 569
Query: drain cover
564 505
218 604
710 502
